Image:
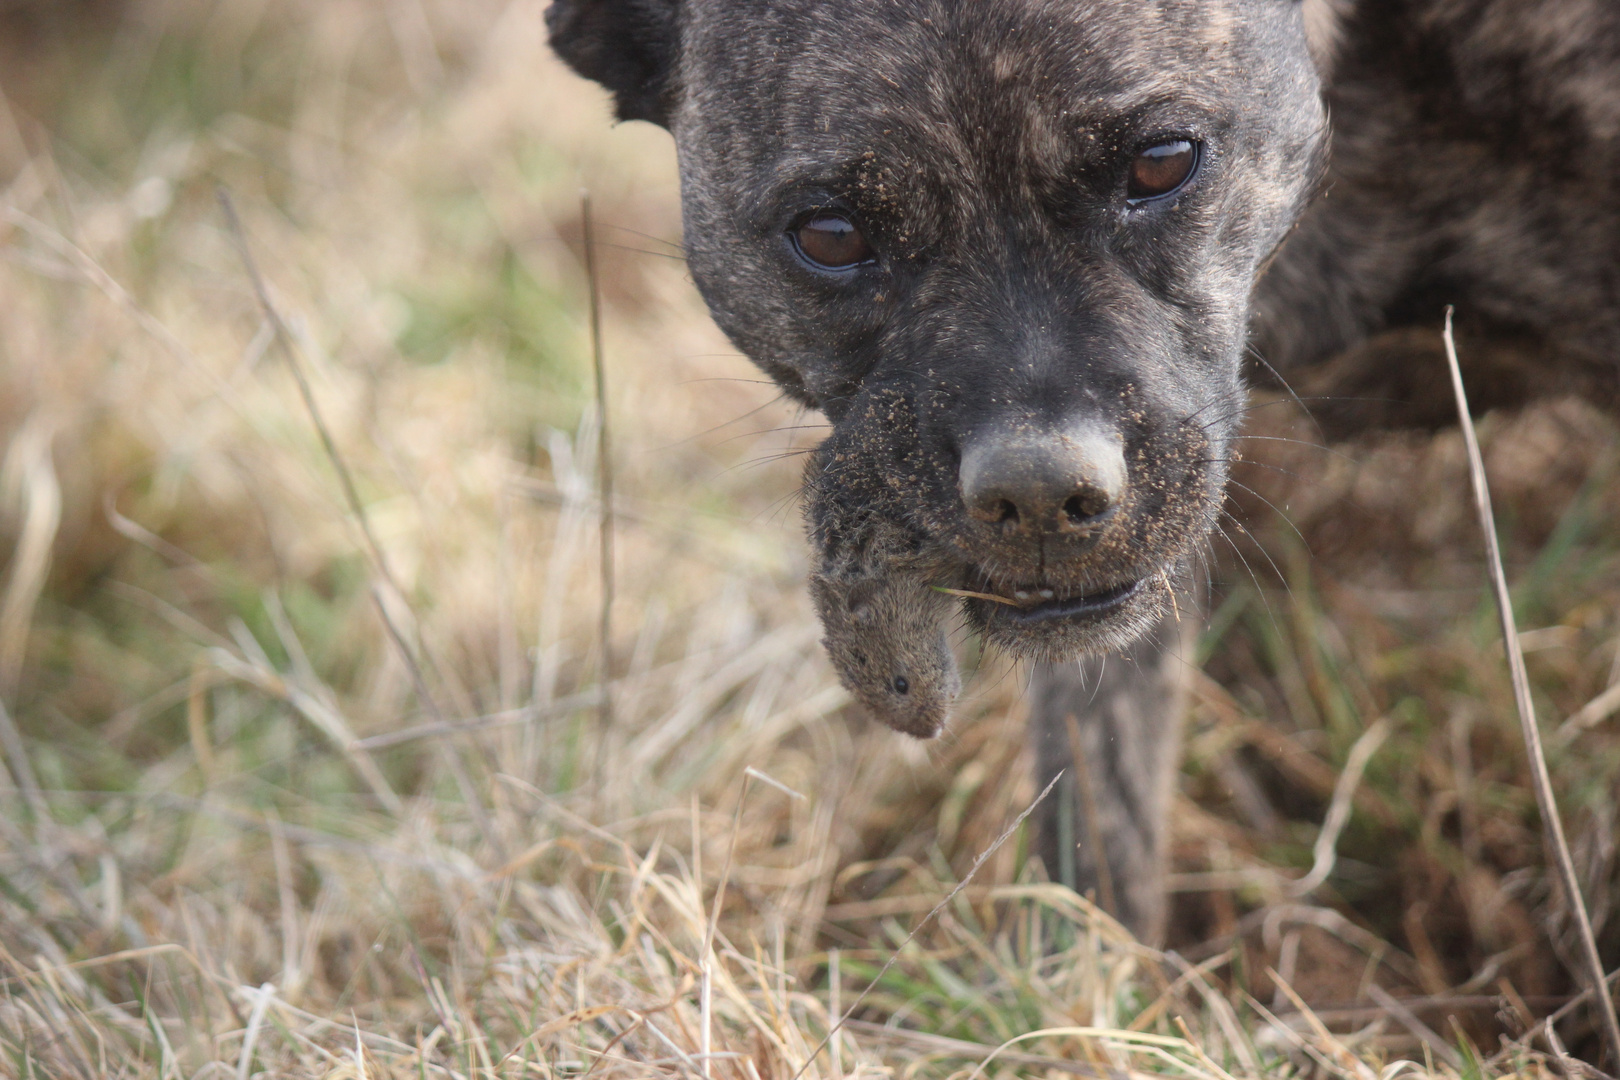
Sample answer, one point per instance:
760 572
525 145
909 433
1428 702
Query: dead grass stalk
1546 801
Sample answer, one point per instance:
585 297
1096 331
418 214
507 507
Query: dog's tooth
1048 594
1020 594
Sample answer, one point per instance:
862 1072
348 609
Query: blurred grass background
273 807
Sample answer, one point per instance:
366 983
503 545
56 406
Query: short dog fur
1038 371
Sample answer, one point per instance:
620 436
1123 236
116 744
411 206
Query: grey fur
875 587
886 639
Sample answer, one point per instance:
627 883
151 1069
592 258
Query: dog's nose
1044 479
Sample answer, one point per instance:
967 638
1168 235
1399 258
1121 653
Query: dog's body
1011 247
1476 162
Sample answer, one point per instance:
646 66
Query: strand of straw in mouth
971 595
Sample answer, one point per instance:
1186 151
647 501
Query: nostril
1082 507
1035 480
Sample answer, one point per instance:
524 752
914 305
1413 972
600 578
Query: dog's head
1006 246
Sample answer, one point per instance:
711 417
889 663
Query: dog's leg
1114 724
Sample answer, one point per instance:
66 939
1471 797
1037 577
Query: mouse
885 635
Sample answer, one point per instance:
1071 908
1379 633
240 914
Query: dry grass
277 804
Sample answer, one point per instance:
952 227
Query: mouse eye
831 242
1161 170
901 686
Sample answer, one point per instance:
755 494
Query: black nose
1034 479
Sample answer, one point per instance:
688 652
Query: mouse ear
626 45
859 600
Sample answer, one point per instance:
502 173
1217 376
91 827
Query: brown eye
1160 170
832 242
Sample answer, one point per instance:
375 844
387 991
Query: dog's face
1006 246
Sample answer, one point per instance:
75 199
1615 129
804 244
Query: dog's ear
626 45
1324 26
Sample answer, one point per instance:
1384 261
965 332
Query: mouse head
886 640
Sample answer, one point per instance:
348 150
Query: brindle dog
1011 249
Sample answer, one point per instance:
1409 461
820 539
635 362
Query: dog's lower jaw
1064 629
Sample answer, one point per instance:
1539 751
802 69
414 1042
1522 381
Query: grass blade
604 463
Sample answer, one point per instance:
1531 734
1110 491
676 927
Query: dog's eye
832 242
901 686
1161 170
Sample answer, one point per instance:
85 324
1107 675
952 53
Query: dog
1019 253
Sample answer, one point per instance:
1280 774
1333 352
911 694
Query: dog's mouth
1048 622
1037 607
1034 605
